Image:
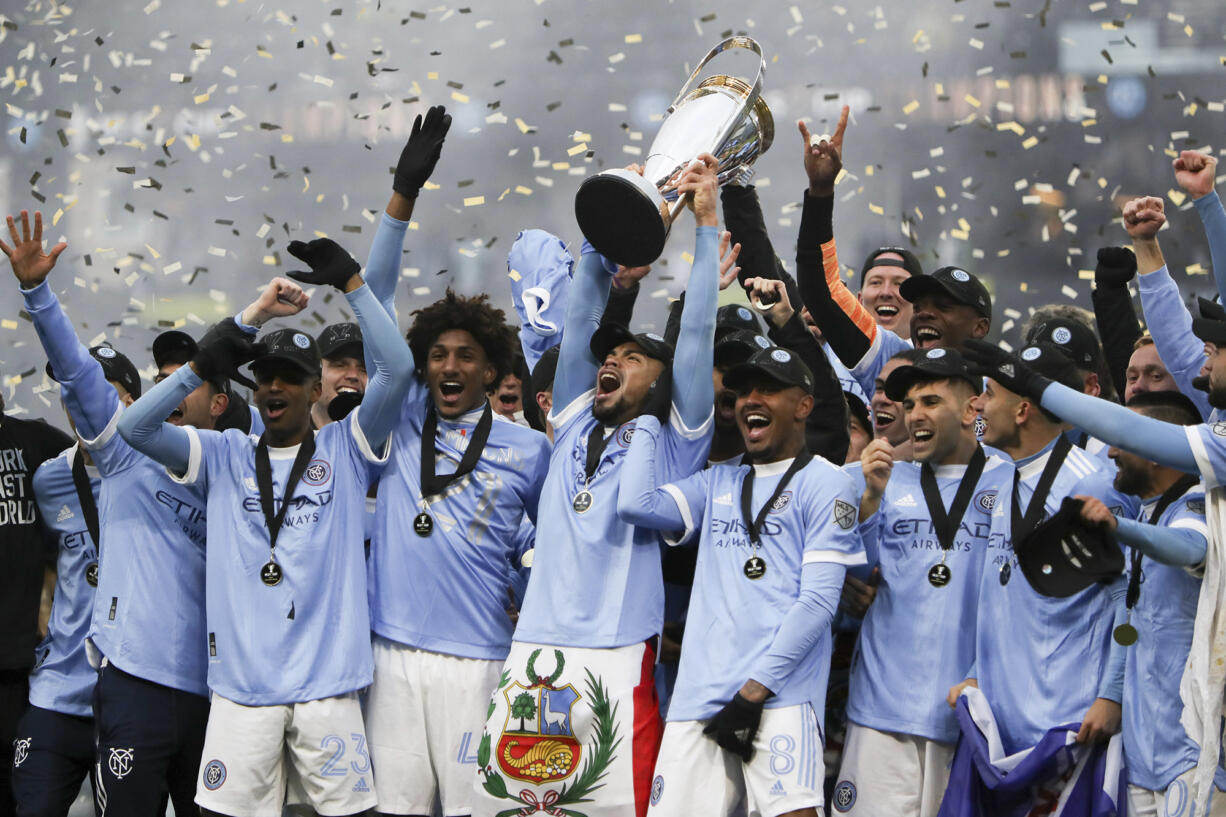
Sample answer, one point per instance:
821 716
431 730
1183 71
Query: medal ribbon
1024 524
433 483
263 480
1180 487
597 442
946 525
85 496
754 524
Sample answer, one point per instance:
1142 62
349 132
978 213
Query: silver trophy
626 217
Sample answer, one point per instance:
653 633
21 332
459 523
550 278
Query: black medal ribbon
1180 487
1023 524
433 483
89 509
263 480
597 442
754 524
946 524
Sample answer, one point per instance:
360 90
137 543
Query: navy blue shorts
52 755
149 741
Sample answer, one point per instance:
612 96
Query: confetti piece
911 107
1177 197
473 201
634 38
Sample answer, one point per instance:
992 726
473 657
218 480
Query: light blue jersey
1170 324
148 617
1156 748
918 640
447 591
1042 661
885 345
62 679
309 636
848 382
596 580
736 626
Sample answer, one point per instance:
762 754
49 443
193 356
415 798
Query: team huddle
827 552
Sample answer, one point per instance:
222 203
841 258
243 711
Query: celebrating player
285 551
776 538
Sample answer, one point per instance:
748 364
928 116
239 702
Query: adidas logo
725 499
907 501
361 785
65 513
777 790
1007 370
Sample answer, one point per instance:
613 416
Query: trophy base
619 214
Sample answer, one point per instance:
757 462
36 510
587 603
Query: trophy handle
756 91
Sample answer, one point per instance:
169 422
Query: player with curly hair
457 484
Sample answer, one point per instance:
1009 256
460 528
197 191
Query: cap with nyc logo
953 282
293 346
777 364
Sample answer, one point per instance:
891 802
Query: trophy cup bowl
627 217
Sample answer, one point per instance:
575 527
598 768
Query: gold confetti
910 107
473 201
634 38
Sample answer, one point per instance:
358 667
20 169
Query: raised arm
1114 313
585 304
744 220
417 160
693 389
1195 173
392 363
1164 443
90 400
540 270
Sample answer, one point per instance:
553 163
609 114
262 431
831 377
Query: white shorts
424 715
1176 801
694 776
258 758
570 728
889 773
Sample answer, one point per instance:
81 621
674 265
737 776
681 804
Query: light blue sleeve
89 398
1170 324
821 585
870 536
1209 207
639 500
693 389
383 264
540 270
1111 685
143 424
1180 547
585 304
1164 443
393 367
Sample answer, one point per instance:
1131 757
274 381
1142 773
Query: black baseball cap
611 335
955 282
544 370
1211 309
335 337
1073 338
296 347
738 346
731 317
115 367
909 261
941 363
1063 555
1052 362
173 346
777 364
1210 330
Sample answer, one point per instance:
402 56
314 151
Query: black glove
735 726
660 397
220 355
421 152
1116 265
989 360
330 263
342 404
